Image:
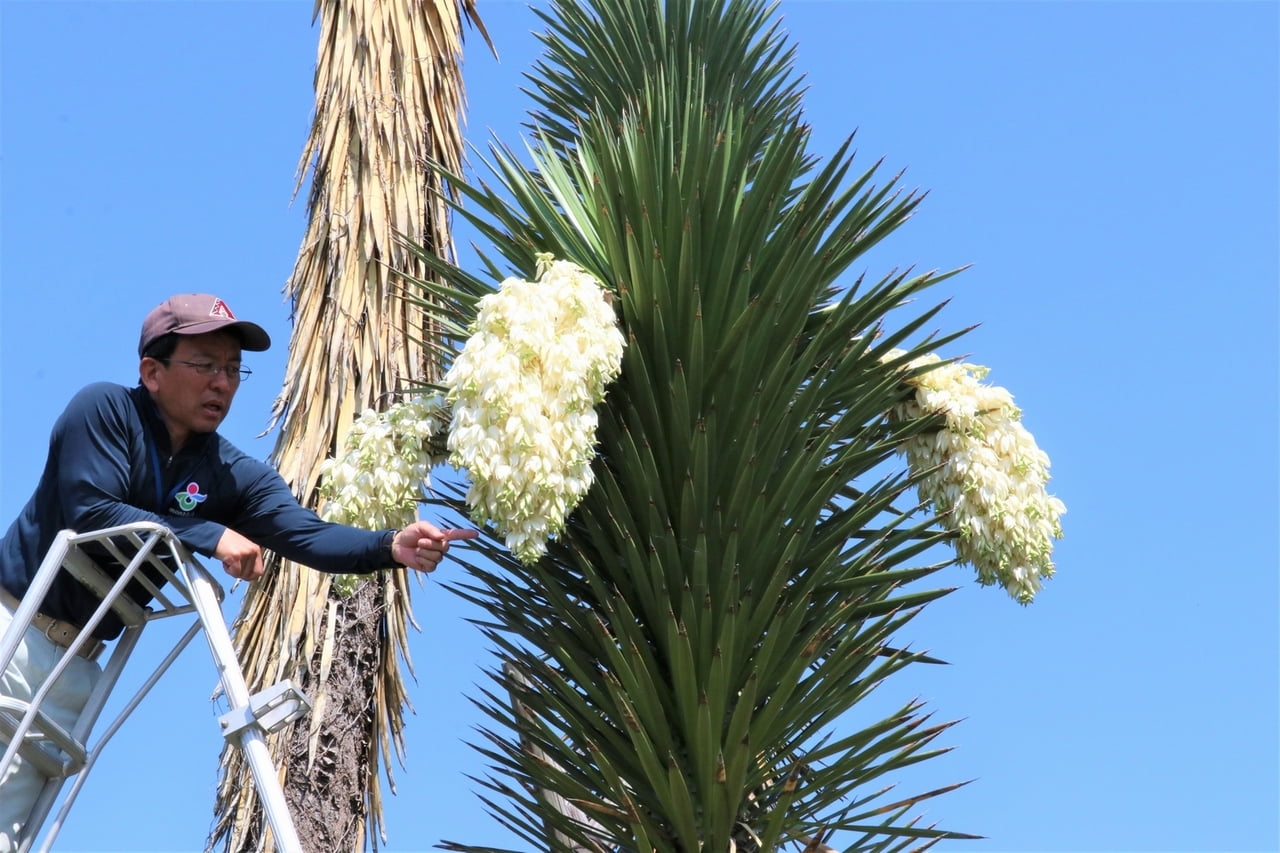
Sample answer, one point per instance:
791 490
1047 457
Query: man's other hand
241 558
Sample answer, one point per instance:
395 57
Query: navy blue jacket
109 464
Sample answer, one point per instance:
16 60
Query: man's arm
273 518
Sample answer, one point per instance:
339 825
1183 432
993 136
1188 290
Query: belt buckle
60 634
56 632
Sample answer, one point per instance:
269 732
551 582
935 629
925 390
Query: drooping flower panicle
986 477
384 468
524 391
385 465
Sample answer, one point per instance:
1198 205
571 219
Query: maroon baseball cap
196 314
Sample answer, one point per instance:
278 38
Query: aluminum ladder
151 556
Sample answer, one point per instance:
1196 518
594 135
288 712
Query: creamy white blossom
523 392
385 466
986 477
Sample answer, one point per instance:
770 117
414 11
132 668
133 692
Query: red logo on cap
220 309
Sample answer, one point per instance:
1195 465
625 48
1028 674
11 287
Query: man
152 453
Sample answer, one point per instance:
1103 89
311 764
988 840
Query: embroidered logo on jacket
189 497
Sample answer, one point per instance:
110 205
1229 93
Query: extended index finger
453 533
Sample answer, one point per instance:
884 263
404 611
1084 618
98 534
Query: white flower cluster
986 477
524 391
386 464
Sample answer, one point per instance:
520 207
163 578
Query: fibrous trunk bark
325 789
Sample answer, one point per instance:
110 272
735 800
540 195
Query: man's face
189 400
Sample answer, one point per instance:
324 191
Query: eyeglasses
208 368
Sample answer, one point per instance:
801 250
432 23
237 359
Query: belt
61 634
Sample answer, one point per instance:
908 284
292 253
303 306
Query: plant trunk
326 790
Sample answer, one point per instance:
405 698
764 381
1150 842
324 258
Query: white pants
32 662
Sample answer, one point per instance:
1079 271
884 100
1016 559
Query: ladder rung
44 735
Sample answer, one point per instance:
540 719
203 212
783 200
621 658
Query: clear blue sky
1110 169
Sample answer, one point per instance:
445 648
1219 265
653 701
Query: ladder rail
250 739
71 743
18 734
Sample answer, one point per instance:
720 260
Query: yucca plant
678 672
